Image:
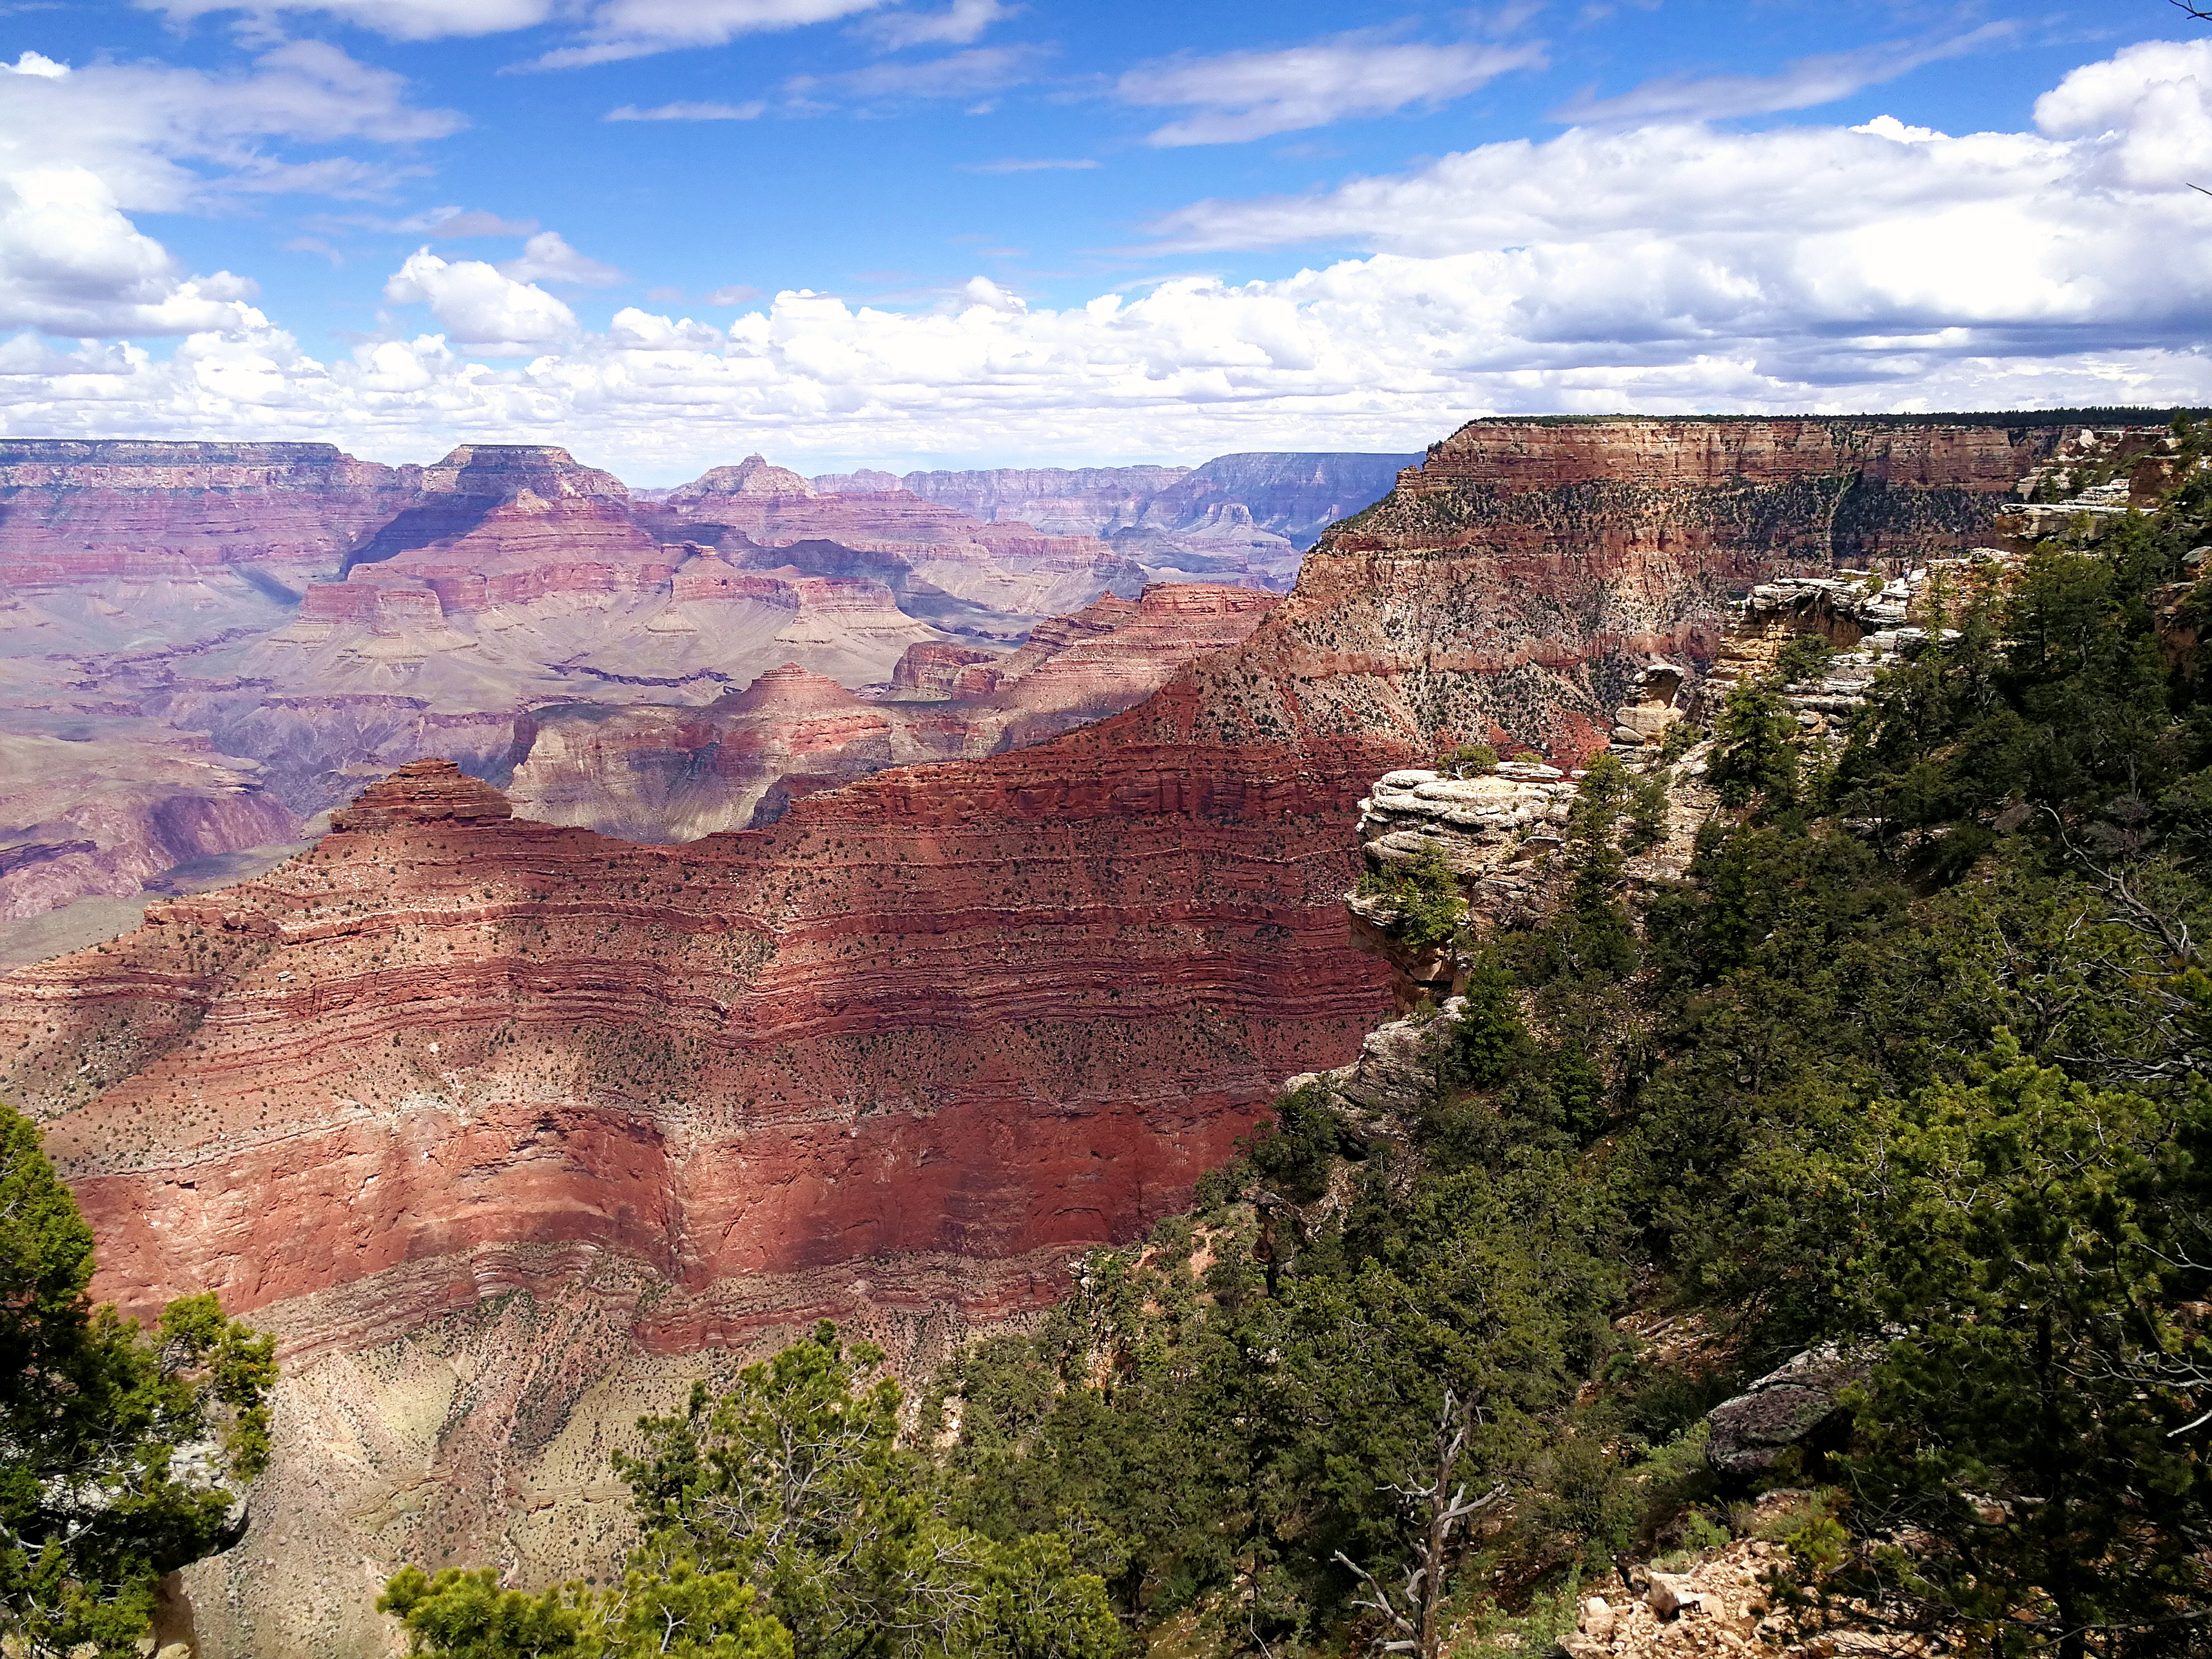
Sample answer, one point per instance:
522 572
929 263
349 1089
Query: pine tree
121 1452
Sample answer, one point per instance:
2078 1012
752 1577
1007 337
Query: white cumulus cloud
72 263
83 147
1672 268
480 306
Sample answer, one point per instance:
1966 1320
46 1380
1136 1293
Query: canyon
662 772
1247 518
508 1128
204 648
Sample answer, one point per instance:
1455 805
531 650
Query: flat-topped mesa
1291 495
162 453
423 792
503 471
791 689
496 494
1703 453
1058 501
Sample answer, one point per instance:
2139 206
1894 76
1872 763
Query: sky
973 232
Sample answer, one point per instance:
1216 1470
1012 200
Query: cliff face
658 773
73 510
1513 586
892 1056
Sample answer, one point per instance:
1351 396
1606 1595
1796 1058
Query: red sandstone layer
1021 1011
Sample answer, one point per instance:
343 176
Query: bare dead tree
2204 15
1412 1611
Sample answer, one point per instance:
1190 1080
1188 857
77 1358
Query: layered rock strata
323 620
661 773
562 1104
73 512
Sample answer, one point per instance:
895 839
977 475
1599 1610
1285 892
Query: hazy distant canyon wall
203 647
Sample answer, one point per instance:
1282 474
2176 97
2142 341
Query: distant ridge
2096 415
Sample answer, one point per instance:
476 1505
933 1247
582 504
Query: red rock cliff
72 511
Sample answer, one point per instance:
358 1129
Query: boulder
1670 1595
1781 1409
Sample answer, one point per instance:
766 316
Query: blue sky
395 222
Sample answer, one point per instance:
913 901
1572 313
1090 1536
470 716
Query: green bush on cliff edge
1423 895
119 1448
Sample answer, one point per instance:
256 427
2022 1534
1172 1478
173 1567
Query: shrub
1803 656
1468 757
1424 894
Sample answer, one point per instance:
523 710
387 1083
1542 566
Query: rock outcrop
1780 1410
1722 1605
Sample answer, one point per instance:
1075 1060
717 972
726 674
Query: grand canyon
207 647
765 899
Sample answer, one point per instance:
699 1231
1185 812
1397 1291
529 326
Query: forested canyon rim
894 1055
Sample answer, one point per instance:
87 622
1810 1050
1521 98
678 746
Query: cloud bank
1669 268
